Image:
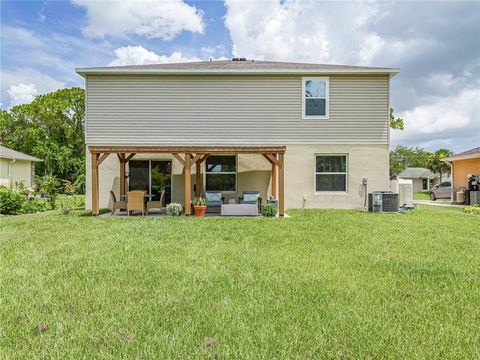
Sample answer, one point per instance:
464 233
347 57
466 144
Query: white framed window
331 173
221 173
315 97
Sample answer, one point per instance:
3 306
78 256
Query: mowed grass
321 284
421 195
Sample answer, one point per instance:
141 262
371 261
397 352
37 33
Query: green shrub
70 202
174 209
51 186
474 209
269 210
35 205
10 201
80 183
69 188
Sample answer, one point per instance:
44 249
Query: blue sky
436 45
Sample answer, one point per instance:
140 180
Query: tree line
51 128
402 157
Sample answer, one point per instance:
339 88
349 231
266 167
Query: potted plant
200 206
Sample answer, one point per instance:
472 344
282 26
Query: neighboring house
238 125
422 179
16 167
463 164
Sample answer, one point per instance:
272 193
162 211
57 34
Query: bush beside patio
323 283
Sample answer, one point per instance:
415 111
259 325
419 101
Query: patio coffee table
239 210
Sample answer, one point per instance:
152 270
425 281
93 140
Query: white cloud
310 31
153 19
26 76
304 30
22 93
138 55
452 120
20 36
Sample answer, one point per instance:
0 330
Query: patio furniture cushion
214 198
250 197
239 210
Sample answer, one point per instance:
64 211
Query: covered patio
188 156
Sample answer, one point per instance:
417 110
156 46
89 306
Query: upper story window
221 173
315 98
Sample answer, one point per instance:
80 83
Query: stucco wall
369 161
20 170
461 168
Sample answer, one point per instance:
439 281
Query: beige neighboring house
305 134
422 179
16 167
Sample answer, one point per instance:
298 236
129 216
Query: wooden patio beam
129 157
190 149
272 158
179 158
196 158
204 157
102 157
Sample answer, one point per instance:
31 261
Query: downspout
10 171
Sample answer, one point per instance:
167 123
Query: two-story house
306 134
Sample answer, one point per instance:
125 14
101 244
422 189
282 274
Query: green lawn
321 284
421 195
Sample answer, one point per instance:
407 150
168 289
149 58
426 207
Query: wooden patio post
281 185
94 159
274 179
188 195
121 157
198 179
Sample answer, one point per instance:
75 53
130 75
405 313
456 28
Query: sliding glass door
153 176
161 179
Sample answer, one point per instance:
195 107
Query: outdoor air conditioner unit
383 201
405 191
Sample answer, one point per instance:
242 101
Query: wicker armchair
120 205
136 201
156 204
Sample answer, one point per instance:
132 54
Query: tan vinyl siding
226 110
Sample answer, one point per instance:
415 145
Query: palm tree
435 163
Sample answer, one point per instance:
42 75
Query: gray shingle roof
229 66
7 153
469 154
416 173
